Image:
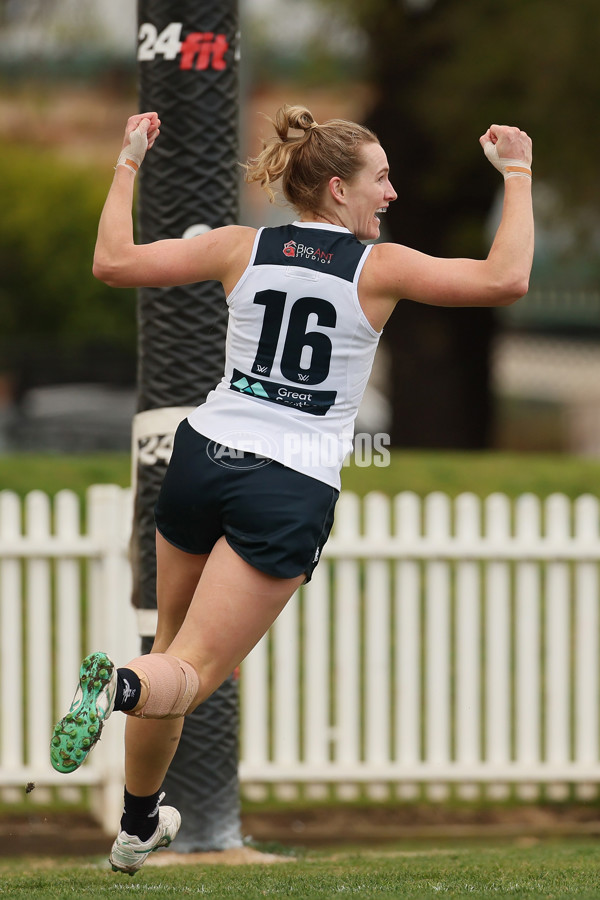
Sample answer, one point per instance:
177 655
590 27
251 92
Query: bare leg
150 744
232 608
233 605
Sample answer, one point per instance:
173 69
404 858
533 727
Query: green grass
53 472
550 869
481 473
422 472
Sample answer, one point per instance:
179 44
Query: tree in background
444 70
58 322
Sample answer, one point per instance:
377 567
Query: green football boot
94 700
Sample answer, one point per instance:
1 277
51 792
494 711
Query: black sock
129 689
140 816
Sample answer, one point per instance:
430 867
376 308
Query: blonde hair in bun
305 162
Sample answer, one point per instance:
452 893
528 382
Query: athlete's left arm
120 262
393 271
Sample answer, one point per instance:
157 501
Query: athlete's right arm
219 255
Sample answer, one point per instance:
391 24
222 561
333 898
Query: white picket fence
441 645
64 591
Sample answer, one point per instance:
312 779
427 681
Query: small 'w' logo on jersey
302 377
261 368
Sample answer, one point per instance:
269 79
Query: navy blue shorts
275 518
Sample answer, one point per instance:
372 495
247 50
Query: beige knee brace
172 684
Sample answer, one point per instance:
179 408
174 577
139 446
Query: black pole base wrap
188 184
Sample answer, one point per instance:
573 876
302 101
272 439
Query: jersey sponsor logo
316 249
316 403
302 251
199 50
243 385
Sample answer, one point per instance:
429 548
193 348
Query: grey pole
188 73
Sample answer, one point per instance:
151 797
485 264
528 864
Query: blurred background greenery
429 76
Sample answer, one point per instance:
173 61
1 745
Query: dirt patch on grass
336 825
236 856
51 834
78 834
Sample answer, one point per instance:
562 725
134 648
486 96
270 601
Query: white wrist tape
508 167
133 154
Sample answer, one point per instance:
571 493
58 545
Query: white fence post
12 746
528 649
468 641
408 642
39 635
69 637
347 681
586 688
113 629
437 642
497 640
377 627
317 675
558 631
254 730
286 692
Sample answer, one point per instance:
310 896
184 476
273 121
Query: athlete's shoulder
232 234
387 250
386 262
393 271
232 242
228 250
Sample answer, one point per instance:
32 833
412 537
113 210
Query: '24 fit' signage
198 49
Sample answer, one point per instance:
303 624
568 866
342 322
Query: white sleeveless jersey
299 352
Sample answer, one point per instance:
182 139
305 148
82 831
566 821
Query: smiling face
368 193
